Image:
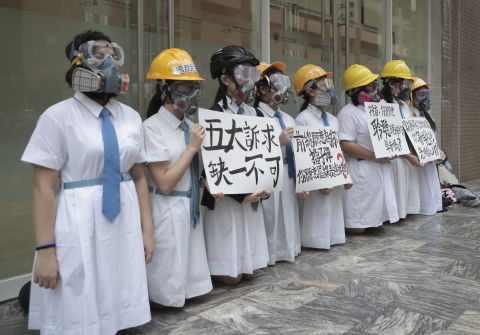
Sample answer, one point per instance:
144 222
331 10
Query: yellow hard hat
264 67
357 75
396 68
174 64
419 82
307 73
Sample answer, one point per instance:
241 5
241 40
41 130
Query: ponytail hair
158 100
221 95
386 91
306 101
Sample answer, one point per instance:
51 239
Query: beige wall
461 96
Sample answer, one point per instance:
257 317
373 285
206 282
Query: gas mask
245 75
102 74
369 93
280 83
404 93
324 92
185 95
421 99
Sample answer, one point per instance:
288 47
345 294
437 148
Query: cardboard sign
423 139
386 129
319 161
241 154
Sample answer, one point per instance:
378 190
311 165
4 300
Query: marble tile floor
420 276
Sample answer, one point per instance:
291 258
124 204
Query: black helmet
229 56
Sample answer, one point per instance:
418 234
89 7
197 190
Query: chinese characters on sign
386 129
241 154
423 139
319 161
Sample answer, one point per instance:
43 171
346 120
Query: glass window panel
301 32
409 34
366 37
204 26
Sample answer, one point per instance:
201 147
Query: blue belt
92 182
187 194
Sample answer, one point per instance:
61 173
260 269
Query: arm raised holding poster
241 154
386 129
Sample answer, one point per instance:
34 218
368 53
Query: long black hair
386 91
159 98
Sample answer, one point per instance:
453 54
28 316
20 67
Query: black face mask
424 105
404 94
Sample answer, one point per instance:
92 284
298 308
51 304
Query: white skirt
102 286
179 268
282 224
430 190
322 219
405 179
235 238
371 200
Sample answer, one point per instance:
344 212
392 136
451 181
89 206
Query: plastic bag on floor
465 196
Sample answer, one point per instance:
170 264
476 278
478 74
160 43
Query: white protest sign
386 129
423 139
319 161
241 154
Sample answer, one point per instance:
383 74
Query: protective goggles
244 73
371 87
279 82
187 88
93 53
422 94
406 83
323 84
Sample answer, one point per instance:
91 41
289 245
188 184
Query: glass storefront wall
409 34
301 32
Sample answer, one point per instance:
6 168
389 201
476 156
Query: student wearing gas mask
322 223
94 234
397 81
429 183
371 201
179 269
234 227
280 211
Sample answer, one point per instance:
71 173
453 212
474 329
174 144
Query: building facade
334 34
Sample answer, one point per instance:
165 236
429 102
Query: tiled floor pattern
420 276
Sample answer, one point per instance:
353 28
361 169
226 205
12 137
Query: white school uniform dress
102 285
405 179
234 232
179 268
322 222
429 183
371 200
280 211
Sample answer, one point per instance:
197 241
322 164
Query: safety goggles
422 94
244 73
279 82
406 83
188 88
323 84
93 53
371 87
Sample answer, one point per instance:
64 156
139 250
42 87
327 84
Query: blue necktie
325 119
288 148
111 169
240 110
194 174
